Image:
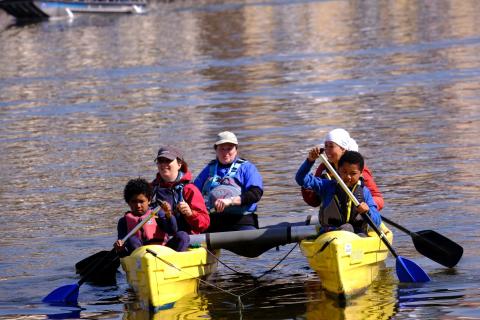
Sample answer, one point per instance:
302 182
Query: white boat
44 9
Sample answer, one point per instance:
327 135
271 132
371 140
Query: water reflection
189 307
377 302
85 104
280 300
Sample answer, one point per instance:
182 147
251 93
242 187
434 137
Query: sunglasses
163 160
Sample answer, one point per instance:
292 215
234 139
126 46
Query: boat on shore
45 9
161 276
345 262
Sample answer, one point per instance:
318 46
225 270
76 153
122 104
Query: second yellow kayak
346 262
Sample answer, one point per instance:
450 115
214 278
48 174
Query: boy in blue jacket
342 214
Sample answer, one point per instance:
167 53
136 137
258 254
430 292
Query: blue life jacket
216 187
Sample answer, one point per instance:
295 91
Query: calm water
84 105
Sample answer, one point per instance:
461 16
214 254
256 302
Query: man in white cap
231 187
337 141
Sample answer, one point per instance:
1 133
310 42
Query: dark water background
84 105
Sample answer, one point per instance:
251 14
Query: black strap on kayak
289 235
325 245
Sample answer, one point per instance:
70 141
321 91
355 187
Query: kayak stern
346 262
161 276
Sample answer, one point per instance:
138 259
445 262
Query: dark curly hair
352 157
135 187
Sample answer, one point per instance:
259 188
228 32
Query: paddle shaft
141 223
401 228
356 203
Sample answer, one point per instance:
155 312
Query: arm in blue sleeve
172 226
303 172
167 225
324 188
248 176
133 242
201 178
373 212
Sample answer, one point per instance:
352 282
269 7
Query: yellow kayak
160 276
345 262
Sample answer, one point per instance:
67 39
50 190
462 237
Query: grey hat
226 137
170 152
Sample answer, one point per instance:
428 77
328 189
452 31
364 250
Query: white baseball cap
226 137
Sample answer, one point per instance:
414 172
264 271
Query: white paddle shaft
339 180
141 223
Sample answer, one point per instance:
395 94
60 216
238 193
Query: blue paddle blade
409 271
64 294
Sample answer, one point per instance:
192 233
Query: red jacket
199 221
311 198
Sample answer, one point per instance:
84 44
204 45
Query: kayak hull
160 276
346 263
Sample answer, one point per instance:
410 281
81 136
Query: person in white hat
231 187
337 141
337 211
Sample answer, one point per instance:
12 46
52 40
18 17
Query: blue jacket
247 176
326 188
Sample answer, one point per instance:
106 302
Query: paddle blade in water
409 271
437 247
64 294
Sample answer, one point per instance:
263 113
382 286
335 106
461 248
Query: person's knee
346 227
181 241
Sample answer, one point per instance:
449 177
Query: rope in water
270 270
239 297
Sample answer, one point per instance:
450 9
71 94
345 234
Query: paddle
105 273
407 271
433 245
69 293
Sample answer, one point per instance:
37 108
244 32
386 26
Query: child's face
139 204
333 151
168 169
350 173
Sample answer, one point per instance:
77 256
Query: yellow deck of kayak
345 262
164 280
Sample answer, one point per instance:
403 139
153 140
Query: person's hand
184 208
222 204
166 208
363 208
119 245
314 154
